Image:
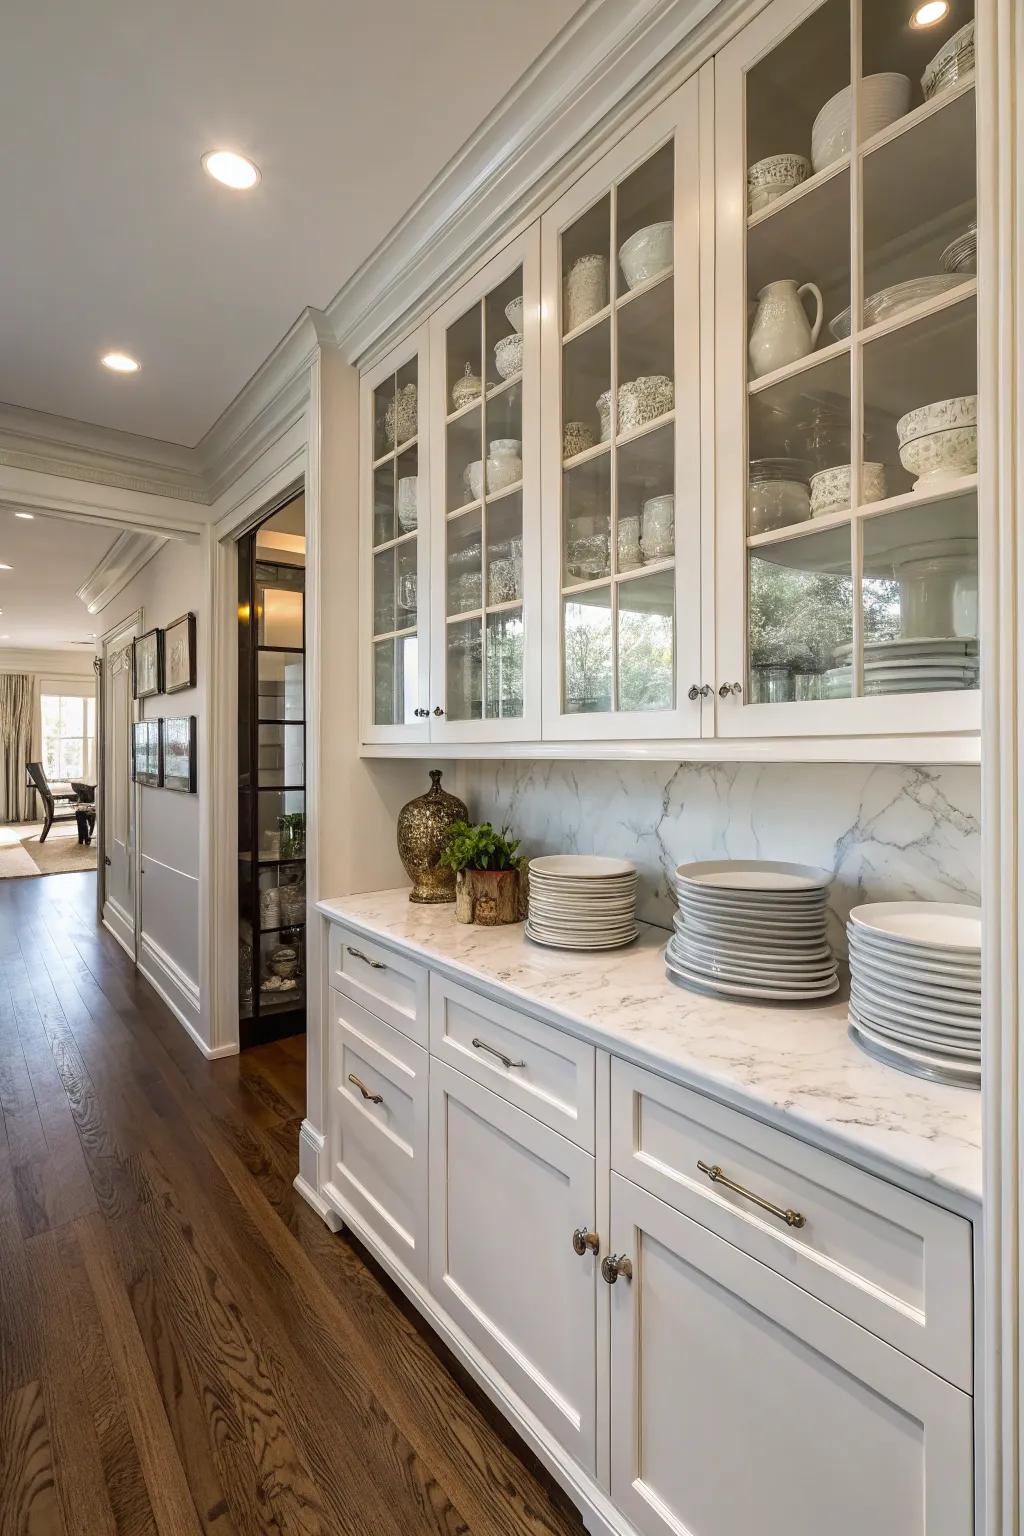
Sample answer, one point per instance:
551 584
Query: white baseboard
311 1150
180 993
118 929
599 1515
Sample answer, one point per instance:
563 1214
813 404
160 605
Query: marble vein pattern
887 832
792 1064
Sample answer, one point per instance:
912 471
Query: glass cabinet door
621 282
847 489
485 635
395 547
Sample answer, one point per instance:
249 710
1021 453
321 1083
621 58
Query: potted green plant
293 834
487 871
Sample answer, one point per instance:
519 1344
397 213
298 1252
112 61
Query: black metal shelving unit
271 796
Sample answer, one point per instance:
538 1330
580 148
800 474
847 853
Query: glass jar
772 682
778 494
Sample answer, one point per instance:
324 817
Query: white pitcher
781 332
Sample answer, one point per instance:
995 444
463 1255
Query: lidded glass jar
778 494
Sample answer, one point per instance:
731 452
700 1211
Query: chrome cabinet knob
614 1265
583 1240
438 710
693 693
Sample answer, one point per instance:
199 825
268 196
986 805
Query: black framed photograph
146 756
148 664
178 753
180 654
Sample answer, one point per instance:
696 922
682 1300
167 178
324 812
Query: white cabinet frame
525 252
676 119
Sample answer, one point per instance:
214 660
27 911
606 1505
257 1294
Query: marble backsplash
888 832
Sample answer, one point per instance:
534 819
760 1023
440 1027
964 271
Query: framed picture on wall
146 755
178 753
148 664
180 654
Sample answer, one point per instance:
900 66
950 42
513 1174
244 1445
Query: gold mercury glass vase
423 827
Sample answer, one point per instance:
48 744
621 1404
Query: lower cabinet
740 1403
506 1195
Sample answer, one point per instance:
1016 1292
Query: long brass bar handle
506 1061
374 1098
357 954
715 1174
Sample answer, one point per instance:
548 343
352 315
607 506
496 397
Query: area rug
22 854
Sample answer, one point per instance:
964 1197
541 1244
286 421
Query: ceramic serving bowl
514 314
577 437
773 177
408 491
961 254
939 456
401 417
830 488
644 399
884 98
466 389
646 254
938 588
585 289
954 60
473 480
508 356
959 411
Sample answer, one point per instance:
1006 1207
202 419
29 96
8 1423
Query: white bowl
939 456
830 488
508 356
514 314
778 168
884 98
958 411
644 399
500 446
646 254
473 479
503 470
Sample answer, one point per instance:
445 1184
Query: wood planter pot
487 896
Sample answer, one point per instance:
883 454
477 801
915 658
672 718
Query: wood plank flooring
185 1350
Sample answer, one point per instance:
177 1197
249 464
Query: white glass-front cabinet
846 526
620 262
485 657
395 550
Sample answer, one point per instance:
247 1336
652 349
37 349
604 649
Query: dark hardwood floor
184 1347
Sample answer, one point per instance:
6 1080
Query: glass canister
778 494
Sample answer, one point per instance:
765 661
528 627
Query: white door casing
118 804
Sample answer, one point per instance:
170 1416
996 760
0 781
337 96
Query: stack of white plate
751 928
582 901
915 987
911 665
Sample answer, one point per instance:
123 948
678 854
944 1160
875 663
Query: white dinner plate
751 975
924 995
924 645
559 942
737 900
942 1069
751 912
753 875
937 980
588 866
898 952
924 1042
734 989
600 910
800 930
912 1034
911 1011
788 955
949 927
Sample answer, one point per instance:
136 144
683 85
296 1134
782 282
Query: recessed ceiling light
5 567
120 362
231 170
28 516
929 14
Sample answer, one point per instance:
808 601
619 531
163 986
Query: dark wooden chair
59 807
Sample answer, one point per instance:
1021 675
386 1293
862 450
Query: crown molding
124 560
75 450
613 59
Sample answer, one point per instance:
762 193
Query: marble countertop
793 1065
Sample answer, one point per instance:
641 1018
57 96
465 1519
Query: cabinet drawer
897 1264
379 1148
387 983
542 1070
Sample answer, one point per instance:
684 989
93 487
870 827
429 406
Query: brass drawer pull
715 1174
357 954
506 1061
374 1098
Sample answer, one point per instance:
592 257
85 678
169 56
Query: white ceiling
51 558
113 235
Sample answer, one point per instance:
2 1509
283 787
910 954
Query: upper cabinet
703 439
620 254
485 503
846 373
395 550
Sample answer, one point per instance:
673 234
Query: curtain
19 734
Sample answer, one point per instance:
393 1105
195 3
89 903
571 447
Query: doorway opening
272 777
